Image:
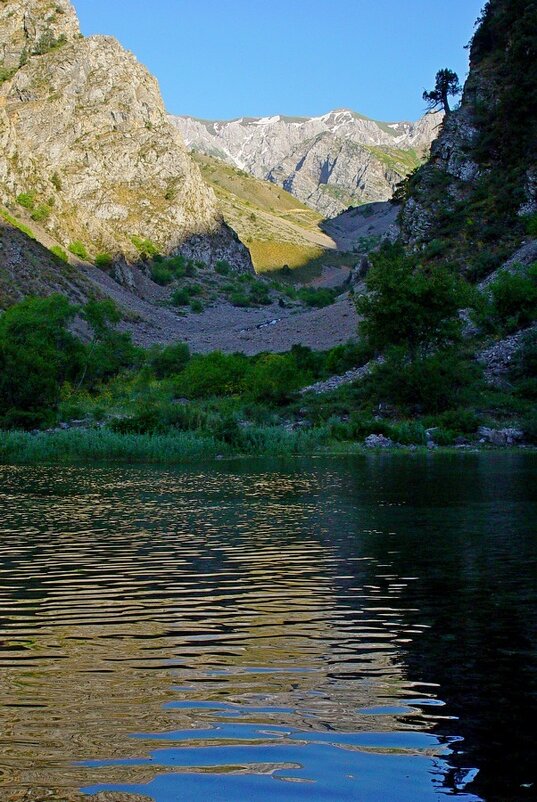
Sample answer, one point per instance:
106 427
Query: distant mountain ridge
329 162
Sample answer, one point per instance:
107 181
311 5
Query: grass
102 445
270 255
17 224
277 228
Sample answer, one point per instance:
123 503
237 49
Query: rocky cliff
471 201
329 162
86 145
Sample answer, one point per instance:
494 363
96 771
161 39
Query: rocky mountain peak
33 27
329 162
86 144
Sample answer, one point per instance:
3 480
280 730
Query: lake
356 628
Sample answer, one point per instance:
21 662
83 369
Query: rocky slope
87 148
276 227
329 162
473 195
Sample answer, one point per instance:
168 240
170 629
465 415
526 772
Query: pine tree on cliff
446 85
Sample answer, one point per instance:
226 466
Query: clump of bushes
104 261
165 270
513 301
59 253
316 297
78 248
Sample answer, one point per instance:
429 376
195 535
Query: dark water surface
327 629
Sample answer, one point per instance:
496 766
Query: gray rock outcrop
85 140
329 162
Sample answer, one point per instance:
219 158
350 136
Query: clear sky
220 59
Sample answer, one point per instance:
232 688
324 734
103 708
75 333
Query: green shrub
41 213
214 374
346 357
104 261
524 364
222 267
37 355
161 274
274 378
26 200
79 249
461 421
59 253
6 74
180 297
145 247
514 299
239 298
317 297
408 433
169 360
410 305
196 306
427 384
531 225
259 294
529 427
56 182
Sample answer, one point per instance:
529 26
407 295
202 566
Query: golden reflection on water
119 596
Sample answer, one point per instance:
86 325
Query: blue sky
220 59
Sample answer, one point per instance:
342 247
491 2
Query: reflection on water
353 629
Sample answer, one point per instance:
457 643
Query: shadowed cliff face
85 138
481 179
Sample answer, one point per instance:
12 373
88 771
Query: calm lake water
326 629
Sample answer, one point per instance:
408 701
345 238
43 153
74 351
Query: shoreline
91 447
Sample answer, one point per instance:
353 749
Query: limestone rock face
85 138
329 162
28 27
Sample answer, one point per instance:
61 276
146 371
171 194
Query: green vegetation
104 261
17 224
79 249
145 247
59 253
6 74
513 301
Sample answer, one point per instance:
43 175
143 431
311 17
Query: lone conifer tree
447 85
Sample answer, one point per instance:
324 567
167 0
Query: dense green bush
432 383
146 248
514 299
168 360
37 354
531 225
180 297
79 249
110 350
104 261
214 374
27 200
161 274
346 357
222 267
59 253
317 297
274 378
409 305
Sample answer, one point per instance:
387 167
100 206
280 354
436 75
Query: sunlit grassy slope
277 228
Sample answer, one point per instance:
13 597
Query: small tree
409 305
446 85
